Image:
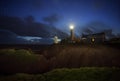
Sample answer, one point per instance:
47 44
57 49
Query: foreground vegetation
61 63
57 56
78 74
16 61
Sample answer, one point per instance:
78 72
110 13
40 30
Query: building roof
96 34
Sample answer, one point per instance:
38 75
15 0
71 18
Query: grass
16 61
79 56
22 77
85 63
74 74
58 56
84 74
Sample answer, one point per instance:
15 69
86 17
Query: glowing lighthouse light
71 27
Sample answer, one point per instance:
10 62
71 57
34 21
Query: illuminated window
93 39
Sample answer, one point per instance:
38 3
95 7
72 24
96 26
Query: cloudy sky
78 12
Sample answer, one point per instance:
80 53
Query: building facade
94 38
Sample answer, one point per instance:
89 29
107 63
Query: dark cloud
8 37
29 27
52 19
29 19
82 11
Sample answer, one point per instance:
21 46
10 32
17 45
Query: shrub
23 61
87 56
22 77
75 74
84 74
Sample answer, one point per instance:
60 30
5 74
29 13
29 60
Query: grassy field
83 63
82 56
57 56
79 74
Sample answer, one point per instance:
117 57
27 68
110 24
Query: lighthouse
72 32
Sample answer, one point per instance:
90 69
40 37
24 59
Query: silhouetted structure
72 35
94 38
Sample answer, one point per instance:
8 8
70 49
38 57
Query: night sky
77 12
